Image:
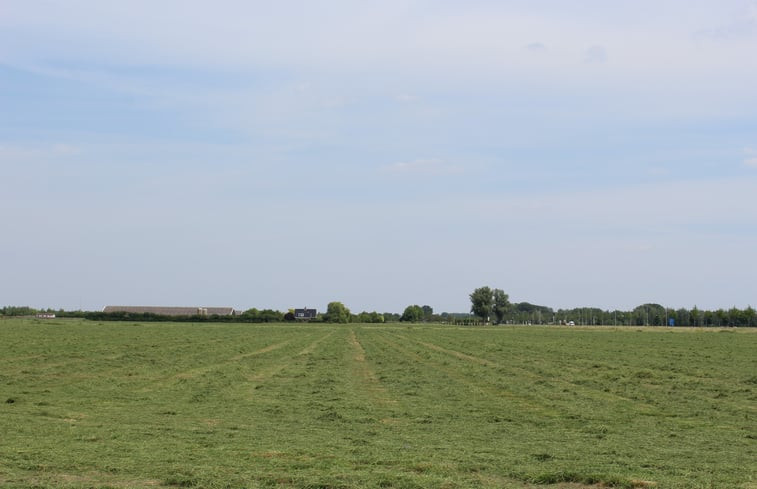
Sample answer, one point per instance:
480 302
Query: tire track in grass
480 387
193 373
589 392
311 347
455 353
579 361
84 354
242 379
261 351
369 381
263 375
92 363
95 479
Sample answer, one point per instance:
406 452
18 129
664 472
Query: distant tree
428 312
391 317
682 317
750 316
721 317
482 301
18 311
412 314
501 305
368 317
336 312
649 315
737 317
696 317
265 316
706 318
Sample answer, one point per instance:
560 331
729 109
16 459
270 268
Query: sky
379 153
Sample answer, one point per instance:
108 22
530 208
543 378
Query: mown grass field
163 405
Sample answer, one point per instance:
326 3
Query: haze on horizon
258 154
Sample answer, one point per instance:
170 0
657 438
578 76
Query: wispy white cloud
596 54
425 42
16 153
658 171
750 157
406 98
422 167
536 47
684 208
644 248
742 25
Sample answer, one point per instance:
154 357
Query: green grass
118 405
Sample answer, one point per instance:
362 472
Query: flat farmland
163 405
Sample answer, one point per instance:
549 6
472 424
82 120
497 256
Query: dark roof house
305 314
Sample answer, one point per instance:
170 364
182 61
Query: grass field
118 405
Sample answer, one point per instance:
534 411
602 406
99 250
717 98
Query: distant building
46 315
305 314
173 311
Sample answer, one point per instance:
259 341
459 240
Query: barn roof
172 311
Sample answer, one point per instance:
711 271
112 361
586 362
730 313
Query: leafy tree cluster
488 304
145 317
643 315
391 317
265 316
336 312
417 314
412 314
368 317
18 311
484 306
657 315
249 316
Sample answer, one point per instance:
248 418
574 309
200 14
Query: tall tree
482 300
412 314
501 304
336 312
428 311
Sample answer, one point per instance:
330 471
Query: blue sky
260 154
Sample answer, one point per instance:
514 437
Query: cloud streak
424 167
596 54
249 36
15 154
750 157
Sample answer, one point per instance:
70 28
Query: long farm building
173 311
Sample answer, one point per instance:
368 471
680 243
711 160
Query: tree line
493 306
336 313
488 306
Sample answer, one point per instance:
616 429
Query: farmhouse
305 314
173 311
